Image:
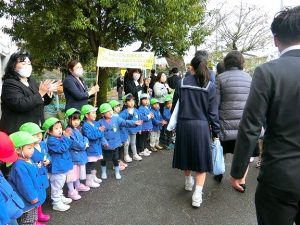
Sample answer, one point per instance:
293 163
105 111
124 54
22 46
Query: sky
269 6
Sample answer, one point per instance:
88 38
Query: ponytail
199 64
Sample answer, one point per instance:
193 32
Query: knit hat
105 107
153 101
22 138
114 103
49 123
31 128
7 150
71 111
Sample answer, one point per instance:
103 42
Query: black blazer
76 95
275 97
130 87
21 104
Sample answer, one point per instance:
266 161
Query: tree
56 31
246 28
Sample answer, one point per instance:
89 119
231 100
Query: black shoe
218 178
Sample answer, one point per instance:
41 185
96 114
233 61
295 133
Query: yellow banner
119 59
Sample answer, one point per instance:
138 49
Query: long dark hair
199 63
10 70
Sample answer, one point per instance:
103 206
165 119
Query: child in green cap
78 154
157 122
41 158
59 144
24 177
94 133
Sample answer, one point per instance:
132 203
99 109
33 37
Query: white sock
198 188
188 178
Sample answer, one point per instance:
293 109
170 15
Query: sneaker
147 150
197 199
137 157
83 187
66 200
121 163
158 147
74 195
127 158
60 206
153 149
189 184
121 167
144 153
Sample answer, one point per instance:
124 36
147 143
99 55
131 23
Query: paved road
151 192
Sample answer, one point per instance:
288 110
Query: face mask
25 71
136 76
78 72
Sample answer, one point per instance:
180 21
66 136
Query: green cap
49 123
153 101
105 107
114 103
71 111
87 109
144 95
168 98
31 128
21 138
126 96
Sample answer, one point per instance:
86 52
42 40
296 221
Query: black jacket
274 96
130 87
76 95
21 104
173 81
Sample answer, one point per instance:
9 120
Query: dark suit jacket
21 104
130 87
173 81
76 94
274 96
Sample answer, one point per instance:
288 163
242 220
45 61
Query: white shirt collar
293 47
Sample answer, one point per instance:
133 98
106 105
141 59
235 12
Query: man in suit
274 97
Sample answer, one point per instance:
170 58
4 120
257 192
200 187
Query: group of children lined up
70 155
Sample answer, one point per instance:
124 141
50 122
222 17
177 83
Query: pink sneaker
82 187
74 195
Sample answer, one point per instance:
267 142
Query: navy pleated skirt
192 146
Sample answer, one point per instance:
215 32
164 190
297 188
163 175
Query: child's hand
163 122
106 146
102 128
139 122
68 132
46 162
34 201
87 145
151 115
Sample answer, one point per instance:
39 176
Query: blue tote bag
217 157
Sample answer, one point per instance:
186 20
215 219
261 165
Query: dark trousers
141 141
276 207
90 166
112 155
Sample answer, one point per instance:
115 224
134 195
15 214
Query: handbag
217 157
173 120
